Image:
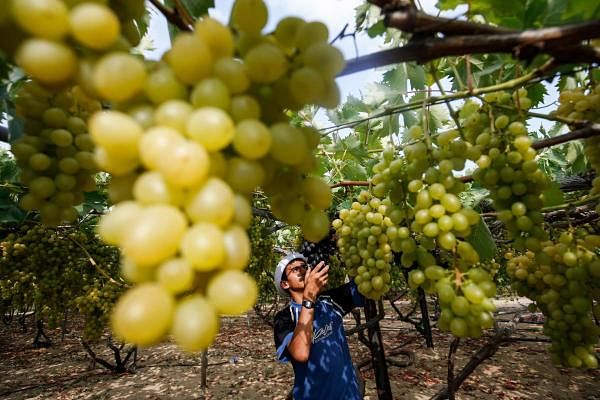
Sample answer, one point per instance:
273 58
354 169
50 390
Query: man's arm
315 280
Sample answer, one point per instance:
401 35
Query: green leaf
377 29
416 75
449 4
396 78
583 10
553 196
196 8
354 171
482 241
536 93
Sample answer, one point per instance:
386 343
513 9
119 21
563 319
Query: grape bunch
46 38
36 260
559 279
364 232
319 251
507 165
580 105
189 138
55 152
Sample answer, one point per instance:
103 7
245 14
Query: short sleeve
346 297
283 328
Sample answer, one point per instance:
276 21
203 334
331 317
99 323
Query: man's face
294 273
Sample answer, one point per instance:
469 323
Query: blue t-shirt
329 373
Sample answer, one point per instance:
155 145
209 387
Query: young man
309 331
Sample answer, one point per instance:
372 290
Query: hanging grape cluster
187 142
584 105
55 152
560 280
36 260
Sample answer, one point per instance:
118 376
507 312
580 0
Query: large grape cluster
584 105
559 279
364 232
55 152
187 142
48 37
36 260
507 165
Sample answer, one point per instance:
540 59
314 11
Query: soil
241 365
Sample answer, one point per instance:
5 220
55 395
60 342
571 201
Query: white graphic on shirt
323 332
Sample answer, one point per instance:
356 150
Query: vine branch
177 16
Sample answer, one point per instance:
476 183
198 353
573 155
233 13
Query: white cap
281 267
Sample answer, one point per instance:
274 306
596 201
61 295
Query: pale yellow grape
151 188
243 211
213 202
310 34
244 107
116 132
114 165
315 225
120 217
42 187
237 248
176 275
243 175
47 61
48 19
331 96
249 15
288 144
210 92
119 76
185 164
195 323
120 188
232 292
190 58
135 274
162 85
143 315
252 139
233 73
94 25
316 192
324 58
29 202
217 36
174 113
143 114
203 245
286 30
154 142
266 63
218 164
211 127
306 85
154 235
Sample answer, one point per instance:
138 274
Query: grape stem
510 84
178 16
96 265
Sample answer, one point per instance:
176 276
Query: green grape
190 58
94 25
217 36
203 246
232 292
47 19
213 202
265 63
211 127
210 92
119 76
252 139
195 323
47 61
162 85
249 15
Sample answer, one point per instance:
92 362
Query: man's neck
297 296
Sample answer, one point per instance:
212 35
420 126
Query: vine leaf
482 241
553 195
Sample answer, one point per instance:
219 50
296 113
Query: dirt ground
241 365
